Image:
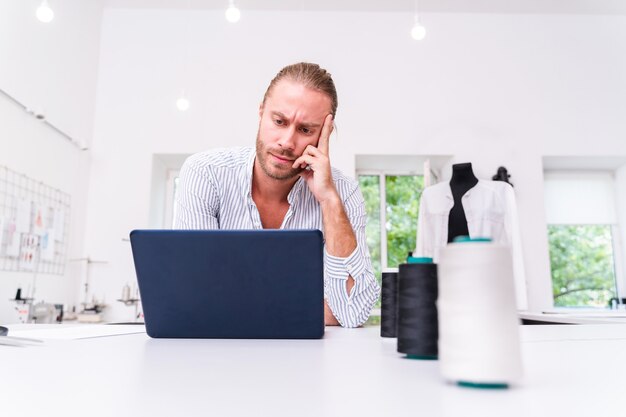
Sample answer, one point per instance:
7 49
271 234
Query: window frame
560 173
618 261
616 257
382 173
168 217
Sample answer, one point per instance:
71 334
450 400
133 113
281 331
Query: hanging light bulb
232 13
44 12
418 32
182 103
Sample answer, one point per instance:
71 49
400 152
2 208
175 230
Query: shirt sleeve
352 310
197 202
512 230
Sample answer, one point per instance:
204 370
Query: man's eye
278 122
305 130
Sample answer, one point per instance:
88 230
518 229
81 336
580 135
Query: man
288 183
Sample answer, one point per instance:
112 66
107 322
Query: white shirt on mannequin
490 210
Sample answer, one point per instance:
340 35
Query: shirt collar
467 193
294 194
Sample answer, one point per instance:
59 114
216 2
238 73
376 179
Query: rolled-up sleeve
352 310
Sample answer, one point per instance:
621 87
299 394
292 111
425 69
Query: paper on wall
28 251
59 224
47 245
22 222
39 220
1 234
13 239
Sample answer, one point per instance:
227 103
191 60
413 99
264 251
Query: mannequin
463 179
502 175
486 208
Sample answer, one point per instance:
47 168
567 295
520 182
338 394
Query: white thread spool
125 293
478 326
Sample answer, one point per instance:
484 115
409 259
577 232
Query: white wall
55 67
490 89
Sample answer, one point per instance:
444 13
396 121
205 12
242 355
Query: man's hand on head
316 162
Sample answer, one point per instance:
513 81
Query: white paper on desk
586 313
22 222
83 331
59 224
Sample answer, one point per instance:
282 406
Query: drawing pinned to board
28 252
13 240
47 245
1 233
22 221
32 211
39 222
59 224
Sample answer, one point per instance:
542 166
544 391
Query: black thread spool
389 304
417 310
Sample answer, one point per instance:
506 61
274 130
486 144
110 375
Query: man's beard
262 155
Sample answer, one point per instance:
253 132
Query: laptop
244 284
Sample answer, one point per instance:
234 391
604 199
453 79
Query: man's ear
260 110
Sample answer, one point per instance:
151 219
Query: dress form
463 179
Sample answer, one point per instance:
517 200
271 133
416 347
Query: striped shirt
215 192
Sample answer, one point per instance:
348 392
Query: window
582 265
391 200
165 172
171 188
582 237
392 186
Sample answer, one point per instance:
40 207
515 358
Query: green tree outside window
402 194
582 265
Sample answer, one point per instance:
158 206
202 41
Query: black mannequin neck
463 177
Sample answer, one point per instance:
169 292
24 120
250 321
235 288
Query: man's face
290 119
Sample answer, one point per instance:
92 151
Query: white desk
570 371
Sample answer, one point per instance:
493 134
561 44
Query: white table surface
570 370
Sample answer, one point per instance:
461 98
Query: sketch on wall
34 225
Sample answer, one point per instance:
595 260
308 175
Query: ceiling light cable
418 32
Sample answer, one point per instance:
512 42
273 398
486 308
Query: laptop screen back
231 283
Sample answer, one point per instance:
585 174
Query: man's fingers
307 175
312 150
311 156
327 128
303 161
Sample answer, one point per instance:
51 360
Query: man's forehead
290 98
